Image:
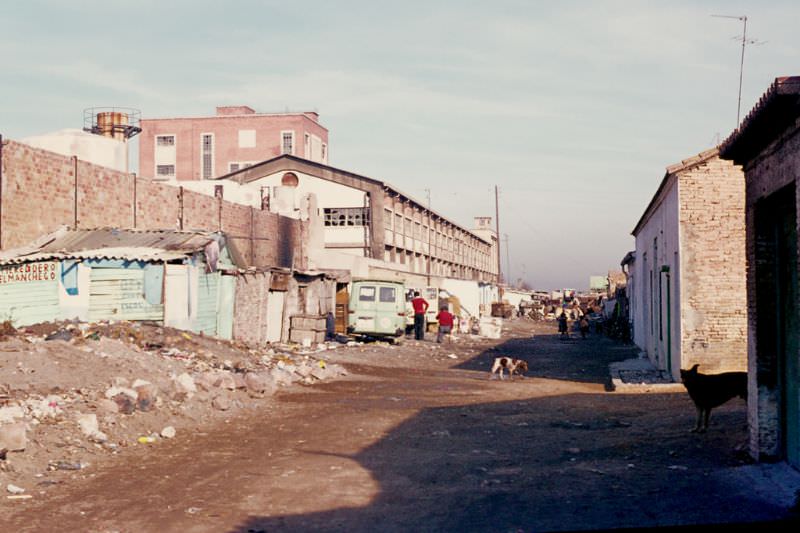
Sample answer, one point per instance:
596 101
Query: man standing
420 307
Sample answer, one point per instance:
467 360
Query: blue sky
573 109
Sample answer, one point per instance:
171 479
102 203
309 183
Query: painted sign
29 272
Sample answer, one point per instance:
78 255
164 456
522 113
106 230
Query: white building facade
688 299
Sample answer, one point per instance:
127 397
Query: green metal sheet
207 303
118 294
227 288
29 293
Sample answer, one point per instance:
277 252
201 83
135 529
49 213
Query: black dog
712 390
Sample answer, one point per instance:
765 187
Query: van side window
387 294
366 294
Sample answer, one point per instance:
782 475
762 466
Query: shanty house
767 145
688 300
183 279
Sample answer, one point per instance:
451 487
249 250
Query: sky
573 109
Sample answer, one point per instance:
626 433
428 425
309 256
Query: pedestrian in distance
562 325
420 306
445 319
584 324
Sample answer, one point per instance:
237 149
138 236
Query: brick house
767 145
197 148
688 299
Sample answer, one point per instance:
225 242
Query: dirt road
417 440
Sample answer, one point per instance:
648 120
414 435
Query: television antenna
745 42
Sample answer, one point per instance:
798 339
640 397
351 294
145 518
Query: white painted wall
75 306
96 149
652 316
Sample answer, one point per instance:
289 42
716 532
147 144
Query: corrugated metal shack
185 279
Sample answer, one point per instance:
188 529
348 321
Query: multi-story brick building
767 145
688 298
236 137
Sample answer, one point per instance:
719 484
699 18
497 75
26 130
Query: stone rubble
109 411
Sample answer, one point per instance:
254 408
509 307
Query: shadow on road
548 356
582 461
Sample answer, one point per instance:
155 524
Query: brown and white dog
507 363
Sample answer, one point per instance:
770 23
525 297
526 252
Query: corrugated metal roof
112 243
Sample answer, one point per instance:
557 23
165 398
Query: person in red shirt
445 319
420 305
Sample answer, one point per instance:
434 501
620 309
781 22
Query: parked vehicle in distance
377 309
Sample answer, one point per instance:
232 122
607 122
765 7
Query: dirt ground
416 438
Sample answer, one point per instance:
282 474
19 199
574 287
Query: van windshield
366 294
387 294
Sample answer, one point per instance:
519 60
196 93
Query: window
287 142
346 216
165 140
207 155
165 170
324 152
233 166
387 294
307 149
366 294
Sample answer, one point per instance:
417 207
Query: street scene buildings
207 324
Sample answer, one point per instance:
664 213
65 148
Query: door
227 289
342 298
776 313
275 301
207 303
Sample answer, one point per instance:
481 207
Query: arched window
289 180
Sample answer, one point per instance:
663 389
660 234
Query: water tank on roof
120 123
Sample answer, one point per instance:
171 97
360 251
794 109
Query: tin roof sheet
112 243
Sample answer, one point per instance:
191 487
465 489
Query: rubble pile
71 394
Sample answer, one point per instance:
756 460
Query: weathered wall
250 308
776 167
40 192
713 268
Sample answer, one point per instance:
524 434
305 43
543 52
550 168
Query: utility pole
508 262
745 42
430 221
497 229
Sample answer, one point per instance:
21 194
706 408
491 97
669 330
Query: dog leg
706 416
699 421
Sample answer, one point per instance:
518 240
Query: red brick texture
40 192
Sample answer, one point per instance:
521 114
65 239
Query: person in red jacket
445 319
420 305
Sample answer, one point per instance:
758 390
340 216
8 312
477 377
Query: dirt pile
75 394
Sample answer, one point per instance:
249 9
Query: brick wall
713 278
39 191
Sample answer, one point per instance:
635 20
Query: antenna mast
745 42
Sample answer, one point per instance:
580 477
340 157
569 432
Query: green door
227 288
777 315
207 303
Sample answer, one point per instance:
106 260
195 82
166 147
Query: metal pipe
75 192
134 200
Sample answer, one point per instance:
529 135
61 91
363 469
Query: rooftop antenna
745 42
